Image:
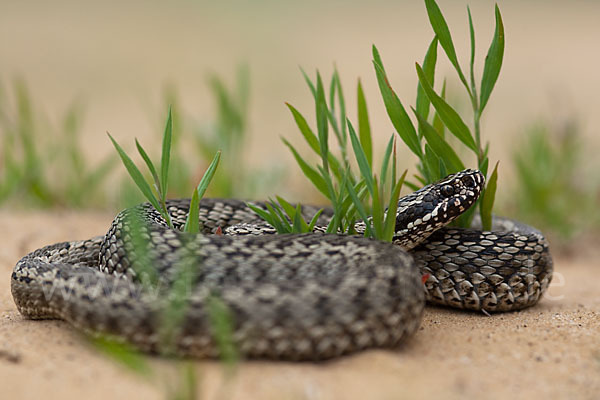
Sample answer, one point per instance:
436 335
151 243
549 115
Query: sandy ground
549 351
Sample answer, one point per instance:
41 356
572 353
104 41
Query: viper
310 296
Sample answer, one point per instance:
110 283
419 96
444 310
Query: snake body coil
296 297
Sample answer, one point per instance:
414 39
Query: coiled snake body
297 297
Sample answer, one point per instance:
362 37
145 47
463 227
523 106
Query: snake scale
308 296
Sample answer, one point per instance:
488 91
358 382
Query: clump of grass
437 157
176 307
41 165
285 217
551 189
182 386
363 195
158 196
229 131
353 195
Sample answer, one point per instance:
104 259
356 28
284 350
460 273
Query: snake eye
447 190
468 181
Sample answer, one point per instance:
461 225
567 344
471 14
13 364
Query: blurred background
73 70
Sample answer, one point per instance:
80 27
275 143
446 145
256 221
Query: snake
298 297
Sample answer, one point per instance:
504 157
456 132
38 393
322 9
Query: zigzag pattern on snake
294 297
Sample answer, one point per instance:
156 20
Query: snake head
421 213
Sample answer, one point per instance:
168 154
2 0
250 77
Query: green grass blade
273 206
186 386
136 175
438 124
100 173
360 208
314 220
347 207
222 325
289 209
386 160
483 167
177 306
243 86
486 149
282 220
394 163
312 139
377 211
395 109
145 266
443 169
431 165
311 86
308 134
332 98
150 166
377 59
390 218
231 111
208 174
361 159
262 213
440 27
429 68
308 171
192 222
472 61
270 216
450 117
342 104
336 221
124 355
493 62
166 154
336 88
364 127
487 202
439 145
299 225
331 193
322 122
412 186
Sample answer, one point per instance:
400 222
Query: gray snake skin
295 297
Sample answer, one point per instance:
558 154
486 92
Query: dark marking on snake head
447 190
468 181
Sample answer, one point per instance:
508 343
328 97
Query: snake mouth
436 205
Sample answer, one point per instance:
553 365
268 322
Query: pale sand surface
549 351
